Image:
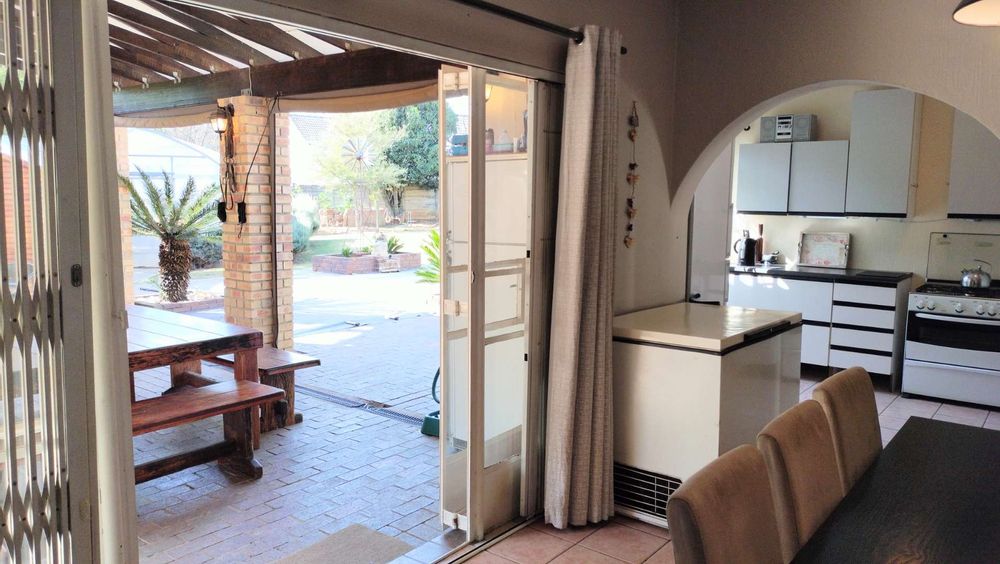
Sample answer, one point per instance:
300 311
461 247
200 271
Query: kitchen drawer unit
860 294
815 344
861 339
861 316
874 363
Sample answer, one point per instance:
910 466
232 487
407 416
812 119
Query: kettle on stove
977 277
746 250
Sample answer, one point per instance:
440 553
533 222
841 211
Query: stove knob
959 308
980 310
930 305
921 303
992 311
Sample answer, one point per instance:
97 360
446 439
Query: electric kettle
746 250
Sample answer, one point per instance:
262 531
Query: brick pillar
128 264
247 255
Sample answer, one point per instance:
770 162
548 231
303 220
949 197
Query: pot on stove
977 277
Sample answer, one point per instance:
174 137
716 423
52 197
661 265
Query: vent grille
643 491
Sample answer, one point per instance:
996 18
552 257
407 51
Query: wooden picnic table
159 338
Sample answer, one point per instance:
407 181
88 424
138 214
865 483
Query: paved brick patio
340 466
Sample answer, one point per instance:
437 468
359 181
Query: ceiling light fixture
978 12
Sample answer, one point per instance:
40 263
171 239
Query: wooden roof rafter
153 61
201 35
178 50
260 32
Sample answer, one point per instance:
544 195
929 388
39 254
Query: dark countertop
850 275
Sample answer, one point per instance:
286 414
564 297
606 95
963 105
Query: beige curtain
578 452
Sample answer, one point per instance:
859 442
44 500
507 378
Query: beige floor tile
489 558
623 543
581 555
962 414
883 399
530 546
993 420
892 421
661 532
887 435
569 534
663 556
913 406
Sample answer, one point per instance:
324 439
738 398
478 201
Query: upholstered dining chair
802 467
848 399
724 513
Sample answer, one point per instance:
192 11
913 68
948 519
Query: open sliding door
487 186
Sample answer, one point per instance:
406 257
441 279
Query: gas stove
954 299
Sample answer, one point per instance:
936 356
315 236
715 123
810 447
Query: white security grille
33 468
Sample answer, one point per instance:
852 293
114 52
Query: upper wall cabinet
883 154
975 171
762 181
818 179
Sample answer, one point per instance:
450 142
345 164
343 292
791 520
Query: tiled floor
894 409
621 540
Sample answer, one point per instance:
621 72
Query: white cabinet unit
974 190
812 299
818 178
883 152
868 328
762 181
846 321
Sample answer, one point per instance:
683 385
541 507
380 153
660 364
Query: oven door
950 339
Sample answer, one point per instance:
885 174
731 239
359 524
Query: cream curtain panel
578 453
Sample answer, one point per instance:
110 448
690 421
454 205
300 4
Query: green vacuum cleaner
432 421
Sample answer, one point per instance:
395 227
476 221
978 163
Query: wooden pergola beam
177 50
370 67
135 72
154 61
226 46
337 42
122 81
257 31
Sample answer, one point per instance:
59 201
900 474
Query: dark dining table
933 495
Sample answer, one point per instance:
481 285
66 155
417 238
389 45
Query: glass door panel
485 233
506 238
453 102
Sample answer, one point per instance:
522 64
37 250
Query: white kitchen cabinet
882 158
812 299
818 177
974 190
762 178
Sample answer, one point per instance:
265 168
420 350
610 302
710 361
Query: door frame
121 496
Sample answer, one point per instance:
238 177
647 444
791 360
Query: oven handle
962 320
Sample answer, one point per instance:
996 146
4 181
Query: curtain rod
576 36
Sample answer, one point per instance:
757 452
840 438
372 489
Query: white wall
876 243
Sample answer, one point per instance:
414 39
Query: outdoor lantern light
978 12
220 118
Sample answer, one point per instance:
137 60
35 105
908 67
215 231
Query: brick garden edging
360 264
183 307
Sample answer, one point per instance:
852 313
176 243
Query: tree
415 148
175 221
355 163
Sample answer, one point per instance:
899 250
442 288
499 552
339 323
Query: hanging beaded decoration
632 178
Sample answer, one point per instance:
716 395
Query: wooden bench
234 400
276 367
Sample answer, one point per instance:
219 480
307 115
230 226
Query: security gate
33 441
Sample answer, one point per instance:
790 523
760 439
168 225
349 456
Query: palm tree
175 222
